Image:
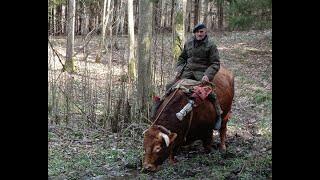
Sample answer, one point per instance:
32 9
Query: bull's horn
165 137
164 130
144 131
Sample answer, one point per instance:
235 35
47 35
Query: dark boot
213 98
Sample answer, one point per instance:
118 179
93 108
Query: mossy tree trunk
69 65
144 61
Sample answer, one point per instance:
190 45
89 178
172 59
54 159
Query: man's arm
214 60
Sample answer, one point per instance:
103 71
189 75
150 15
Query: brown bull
168 133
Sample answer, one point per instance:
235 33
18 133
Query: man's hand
205 79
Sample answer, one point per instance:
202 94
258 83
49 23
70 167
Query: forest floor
85 153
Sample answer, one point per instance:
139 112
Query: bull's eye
157 149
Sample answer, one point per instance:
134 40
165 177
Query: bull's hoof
222 148
207 150
173 161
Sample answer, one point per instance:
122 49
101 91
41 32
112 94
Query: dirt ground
85 153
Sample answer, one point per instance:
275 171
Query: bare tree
105 19
179 30
132 61
144 62
196 12
122 15
220 14
163 13
69 65
58 15
84 19
188 16
204 11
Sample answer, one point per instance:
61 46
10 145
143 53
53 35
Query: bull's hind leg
207 142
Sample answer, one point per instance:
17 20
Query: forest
107 59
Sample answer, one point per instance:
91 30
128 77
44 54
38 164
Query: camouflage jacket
200 59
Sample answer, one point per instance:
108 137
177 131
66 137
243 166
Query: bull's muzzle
149 167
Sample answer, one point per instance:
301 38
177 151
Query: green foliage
250 14
67 161
261 96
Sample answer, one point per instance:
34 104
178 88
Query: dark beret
198 26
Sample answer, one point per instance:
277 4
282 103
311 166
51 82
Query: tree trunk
53 20
76 19
64 20
220 14
49 17
172 11
163 13
200 7
188 16
166 14
91 17
209 16
144 64
58 19
68 91
204 11
85 21
122 17
109 75
179 21
196 12
136 15
132 60
105 19
69 66
80 15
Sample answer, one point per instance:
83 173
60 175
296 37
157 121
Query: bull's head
157 145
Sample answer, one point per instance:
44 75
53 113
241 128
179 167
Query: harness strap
190 119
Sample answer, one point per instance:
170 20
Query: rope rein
174 93
190 119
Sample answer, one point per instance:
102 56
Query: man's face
201 33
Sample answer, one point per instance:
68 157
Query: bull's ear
172 137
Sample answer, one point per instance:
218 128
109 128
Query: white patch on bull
165 137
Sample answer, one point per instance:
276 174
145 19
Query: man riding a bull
199 61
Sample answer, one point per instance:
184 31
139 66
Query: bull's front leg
172 160
223 132
207 142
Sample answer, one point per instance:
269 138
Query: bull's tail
233 89
229 114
